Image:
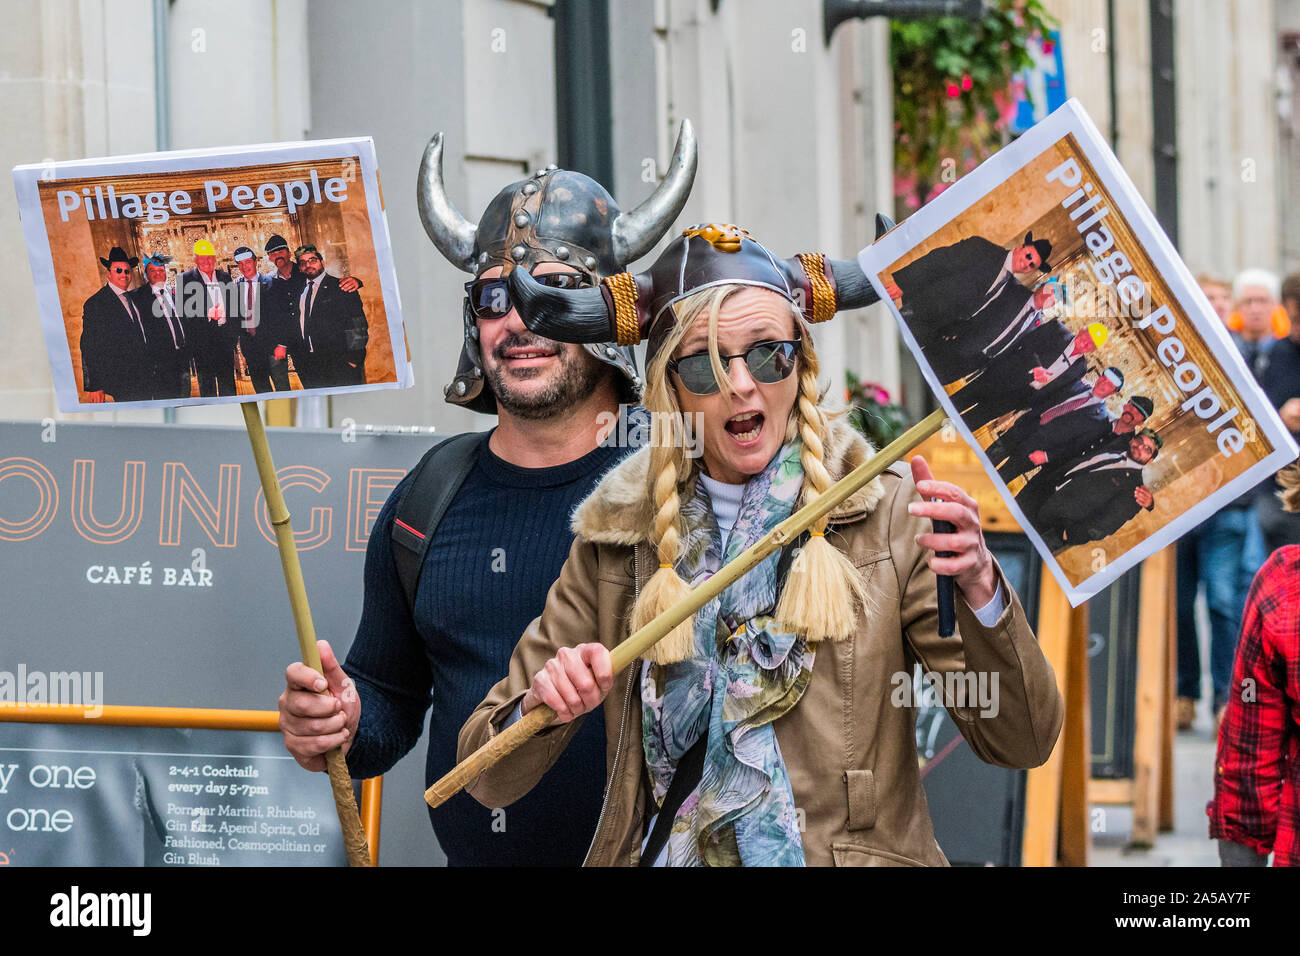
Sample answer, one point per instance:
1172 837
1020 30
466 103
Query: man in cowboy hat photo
115 361
959 299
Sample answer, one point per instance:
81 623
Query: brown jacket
850 751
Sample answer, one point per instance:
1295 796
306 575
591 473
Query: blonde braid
665 531
668 471
823 589
812 431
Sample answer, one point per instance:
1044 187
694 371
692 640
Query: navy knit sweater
496 553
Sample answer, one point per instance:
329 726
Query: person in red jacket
1256 805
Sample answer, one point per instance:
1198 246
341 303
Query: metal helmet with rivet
556 215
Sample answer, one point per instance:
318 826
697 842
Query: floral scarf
742 675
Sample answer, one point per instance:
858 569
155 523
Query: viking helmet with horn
628 308
556 215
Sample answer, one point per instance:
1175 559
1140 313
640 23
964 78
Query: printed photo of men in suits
169 333
1094 498
202 293
959 300
115 359
261 319
1044 366
329 341
1060 437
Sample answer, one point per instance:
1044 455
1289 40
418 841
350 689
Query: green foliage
955 90
871 412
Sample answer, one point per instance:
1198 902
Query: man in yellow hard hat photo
1039 370
202 296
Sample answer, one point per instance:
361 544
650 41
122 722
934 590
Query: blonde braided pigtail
823 589
667 466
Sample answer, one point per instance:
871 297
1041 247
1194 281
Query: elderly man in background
1255 293
1222 553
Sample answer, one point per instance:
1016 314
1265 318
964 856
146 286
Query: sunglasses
490 298
768 363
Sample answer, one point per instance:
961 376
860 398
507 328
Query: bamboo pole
345 803
625 653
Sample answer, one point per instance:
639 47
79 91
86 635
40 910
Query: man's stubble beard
577 378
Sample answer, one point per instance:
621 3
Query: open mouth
745 427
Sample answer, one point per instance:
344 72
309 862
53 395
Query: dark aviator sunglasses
490 298
768 363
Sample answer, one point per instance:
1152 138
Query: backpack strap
434 483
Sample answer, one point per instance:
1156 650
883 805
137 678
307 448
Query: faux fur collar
620 511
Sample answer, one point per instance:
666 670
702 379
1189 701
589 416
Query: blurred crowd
1223 554
1246 560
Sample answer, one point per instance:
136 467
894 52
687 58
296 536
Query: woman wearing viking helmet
769 729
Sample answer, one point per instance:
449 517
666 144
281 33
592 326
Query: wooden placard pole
1056 826
625 653
354 837
1153 701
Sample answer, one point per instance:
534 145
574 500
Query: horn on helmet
637 231
574 315
451 232
832 285
853 290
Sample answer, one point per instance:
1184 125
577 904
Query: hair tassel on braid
823 590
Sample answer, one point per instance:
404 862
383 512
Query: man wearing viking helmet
447 594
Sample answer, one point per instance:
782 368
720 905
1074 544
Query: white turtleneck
726 502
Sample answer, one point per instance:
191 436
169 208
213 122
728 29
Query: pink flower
911 202
966 83
953 91
1048 47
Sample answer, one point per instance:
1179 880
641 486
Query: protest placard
214 275
1070 345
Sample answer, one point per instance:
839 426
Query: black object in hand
947 598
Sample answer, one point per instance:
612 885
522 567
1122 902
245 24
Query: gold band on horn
823 295
622 288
